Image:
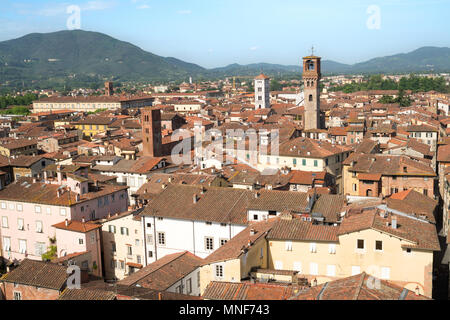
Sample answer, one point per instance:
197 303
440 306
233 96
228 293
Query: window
39 227
3 205
6 244
112 229
20 224
408 250
37 209
360 244
138 259
356 270
137 242
122 265
288 245
378 245
209 243
303 162
315 163
129 250
62 211
223 242
354 187
80 241
49 211
385 273
150 239
22 246
313 268
198 279
189 286
113 247
40 248
17 295
297 266
332 248
331 270
5 222
19 207
425 192
161 238
150 254
124 231
313 247
278 265
219 271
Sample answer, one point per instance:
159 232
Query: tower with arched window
311 81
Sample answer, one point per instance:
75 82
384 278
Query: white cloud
184 12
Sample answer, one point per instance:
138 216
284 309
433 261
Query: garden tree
50 254
413 83
250 87
275 85
387 99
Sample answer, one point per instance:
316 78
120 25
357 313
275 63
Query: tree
275 85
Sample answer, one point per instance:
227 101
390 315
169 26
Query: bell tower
311 82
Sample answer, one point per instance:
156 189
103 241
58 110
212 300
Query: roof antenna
312 51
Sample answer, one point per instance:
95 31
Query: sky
215 33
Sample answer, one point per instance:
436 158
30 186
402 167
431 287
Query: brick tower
109 90
311 81
151 132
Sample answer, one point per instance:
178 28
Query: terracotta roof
358 287
223 205
369 176
87 294
262 76
247 291
233 249
25 190
163 273
38 274
77 226
299 230
420 235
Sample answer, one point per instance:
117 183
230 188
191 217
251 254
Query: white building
262 92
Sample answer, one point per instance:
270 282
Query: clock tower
311 81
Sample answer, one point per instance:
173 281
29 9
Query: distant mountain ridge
84 53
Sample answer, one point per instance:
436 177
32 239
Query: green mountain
83 56
64 53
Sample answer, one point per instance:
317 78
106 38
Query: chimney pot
194 198
83 220
67 222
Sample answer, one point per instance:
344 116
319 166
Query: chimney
417 291
256 195
252 232
83 220
203 190
67 223
194 198
394 223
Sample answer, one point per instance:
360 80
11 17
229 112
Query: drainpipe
193 234
154 237
145 240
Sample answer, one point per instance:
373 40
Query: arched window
310 65
311 97
308 84
312 83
